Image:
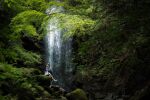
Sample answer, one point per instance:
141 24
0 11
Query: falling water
58 51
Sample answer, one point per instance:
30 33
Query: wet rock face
32 44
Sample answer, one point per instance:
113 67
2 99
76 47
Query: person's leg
51 84
52 76
53 79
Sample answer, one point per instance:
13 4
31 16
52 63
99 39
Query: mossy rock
63 98
77 94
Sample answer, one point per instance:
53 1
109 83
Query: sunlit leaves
26 23
29 17
22 5
74 24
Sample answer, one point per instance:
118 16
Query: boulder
77 94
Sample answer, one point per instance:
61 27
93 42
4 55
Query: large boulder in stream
77 94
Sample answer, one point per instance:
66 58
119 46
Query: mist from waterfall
58 51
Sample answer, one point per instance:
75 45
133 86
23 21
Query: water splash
58 51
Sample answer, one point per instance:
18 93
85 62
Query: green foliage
84 7
56 3
17 83
8 70
8 97
29 17
22 5
17 54
112 39
74 24
29 58
117 49
27 23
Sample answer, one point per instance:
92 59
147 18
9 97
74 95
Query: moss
77 94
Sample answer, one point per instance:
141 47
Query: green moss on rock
77 94
21 83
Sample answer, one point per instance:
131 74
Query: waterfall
58 51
